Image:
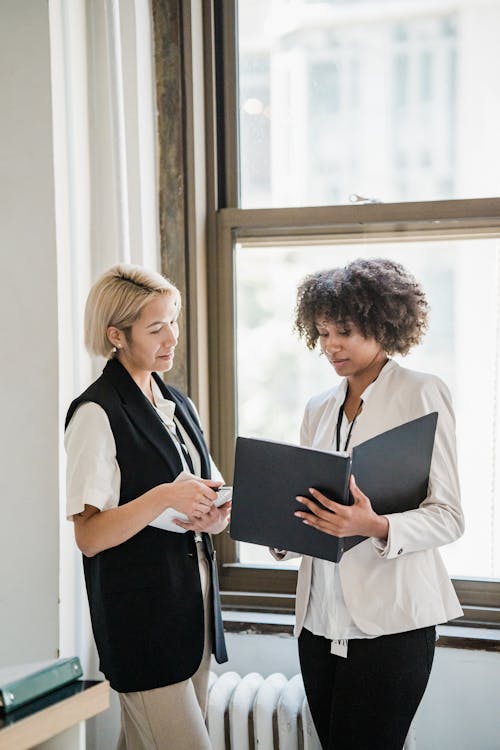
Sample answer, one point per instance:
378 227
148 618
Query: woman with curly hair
366 626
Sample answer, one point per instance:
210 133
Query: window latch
355 198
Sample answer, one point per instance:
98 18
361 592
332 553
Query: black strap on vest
219 644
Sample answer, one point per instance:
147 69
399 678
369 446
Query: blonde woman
151 585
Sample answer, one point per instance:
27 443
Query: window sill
450 636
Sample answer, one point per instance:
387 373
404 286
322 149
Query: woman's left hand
213 522
344 520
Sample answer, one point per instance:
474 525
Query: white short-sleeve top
93 475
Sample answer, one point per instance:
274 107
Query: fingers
314 508
336 519
196 497
200 489
212 483
223 511
330 505
330 523
207 493
214 521
201 496
327 526
359 497
195 523
201 508
184 524
355 491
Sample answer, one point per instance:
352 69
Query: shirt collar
389 365
163 405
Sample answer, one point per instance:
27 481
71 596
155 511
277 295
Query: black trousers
368 700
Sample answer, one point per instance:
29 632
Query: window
276 375
379 99
368 103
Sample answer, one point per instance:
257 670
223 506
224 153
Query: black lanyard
339 425
176 436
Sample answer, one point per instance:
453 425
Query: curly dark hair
378 296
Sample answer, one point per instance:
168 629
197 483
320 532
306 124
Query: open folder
392 469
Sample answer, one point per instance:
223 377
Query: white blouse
327 614
93 475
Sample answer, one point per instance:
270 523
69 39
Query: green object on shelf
24 683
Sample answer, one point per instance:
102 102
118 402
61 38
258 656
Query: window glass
389 100
276 374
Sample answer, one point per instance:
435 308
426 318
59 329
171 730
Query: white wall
460 710
29 332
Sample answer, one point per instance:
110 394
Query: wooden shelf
52 714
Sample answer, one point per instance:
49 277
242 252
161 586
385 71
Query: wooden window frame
270 588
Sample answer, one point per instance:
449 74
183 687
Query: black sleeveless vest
145 596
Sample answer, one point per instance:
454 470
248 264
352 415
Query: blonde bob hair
117 298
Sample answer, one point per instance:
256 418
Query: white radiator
257 713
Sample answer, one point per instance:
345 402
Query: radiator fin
253 713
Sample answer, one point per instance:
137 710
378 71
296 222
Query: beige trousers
172 717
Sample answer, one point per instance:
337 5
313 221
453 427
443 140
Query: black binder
392 469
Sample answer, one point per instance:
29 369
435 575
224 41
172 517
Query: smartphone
224 494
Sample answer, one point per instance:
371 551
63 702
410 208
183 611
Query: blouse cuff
383 545
76 505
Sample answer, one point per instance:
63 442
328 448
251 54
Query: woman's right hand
96 531
193 497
